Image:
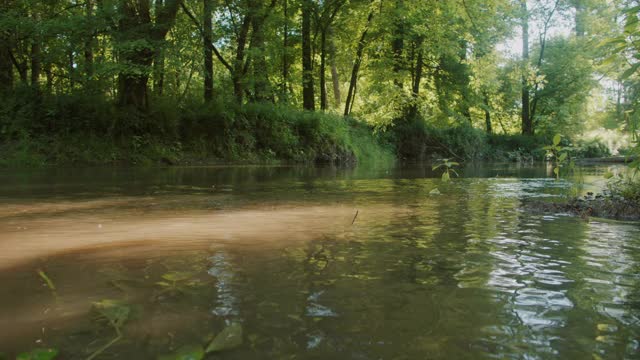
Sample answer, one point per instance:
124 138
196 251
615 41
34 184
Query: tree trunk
88 45
487 114
397 45
334 73
323 62
415 88
208 52
356 67
527 124
308 96
262 85
6 67
35 60
72 69
285 52
135 24
133 91
239 63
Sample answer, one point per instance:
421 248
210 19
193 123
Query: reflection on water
464 274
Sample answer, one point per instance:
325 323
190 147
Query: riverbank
601 206
86 130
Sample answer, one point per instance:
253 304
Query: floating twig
354 218
47 281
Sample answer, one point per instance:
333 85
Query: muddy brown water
280 250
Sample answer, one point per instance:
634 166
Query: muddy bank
608 207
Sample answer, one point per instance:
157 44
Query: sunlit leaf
445 176
630 71
562 157
38 354
557 139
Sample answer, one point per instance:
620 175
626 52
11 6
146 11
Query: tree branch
208 41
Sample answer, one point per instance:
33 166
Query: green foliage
38 354
518 148
447 168
594 148
559 155
417 140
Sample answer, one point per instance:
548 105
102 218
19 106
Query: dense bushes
416 140
81 128
86 129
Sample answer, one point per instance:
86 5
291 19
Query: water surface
314 263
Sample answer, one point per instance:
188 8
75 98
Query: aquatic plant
116 314
559 155
448 168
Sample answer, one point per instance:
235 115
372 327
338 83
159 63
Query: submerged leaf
114 311
38 354
186 352
229 338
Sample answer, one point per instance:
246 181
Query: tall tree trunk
262 85
323 65
136 24
308 96
527 124
335 79
487 114
397 45
356 67
239 62
36 58
72 69
88 45
6 67
285 51
158 61
208 52
415 88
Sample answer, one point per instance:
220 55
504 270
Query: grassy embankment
87 130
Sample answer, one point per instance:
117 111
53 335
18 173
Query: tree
308 96
139 38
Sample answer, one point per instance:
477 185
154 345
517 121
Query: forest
329 81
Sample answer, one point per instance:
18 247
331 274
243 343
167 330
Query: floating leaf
38 354
186 352
229 338
435 191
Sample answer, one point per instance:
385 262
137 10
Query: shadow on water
277 258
